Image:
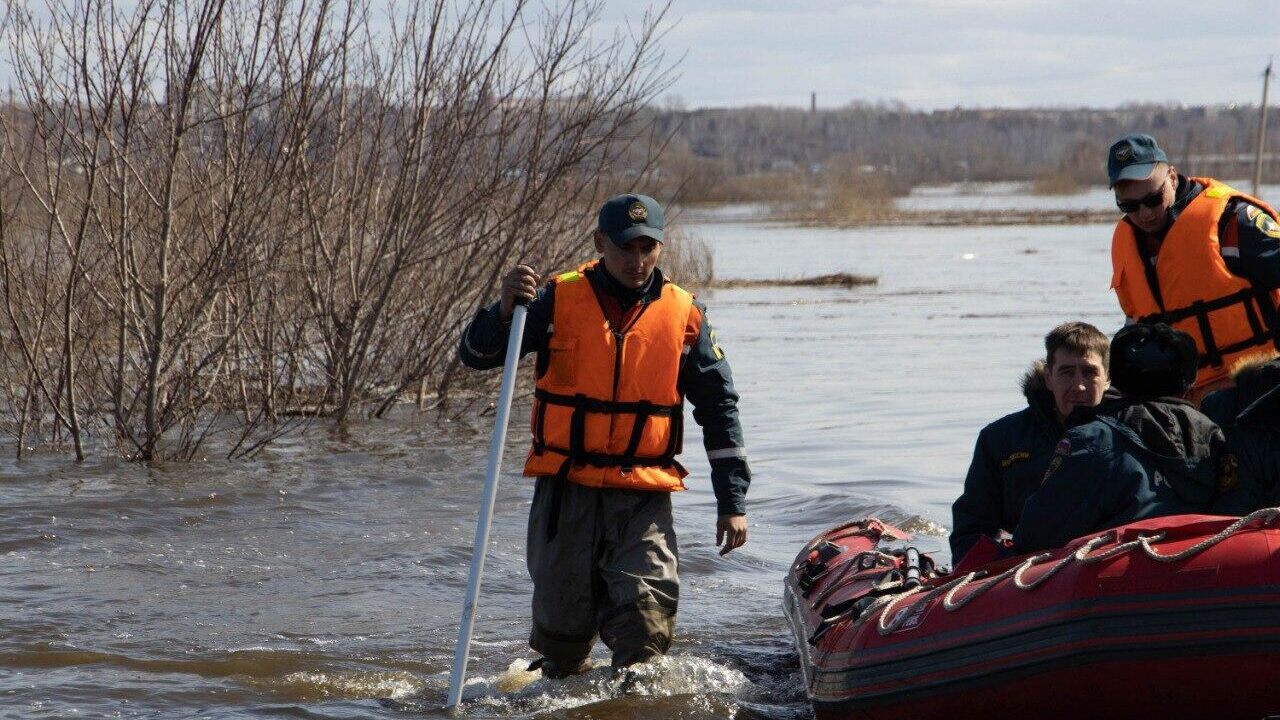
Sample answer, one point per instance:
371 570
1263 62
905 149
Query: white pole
486 507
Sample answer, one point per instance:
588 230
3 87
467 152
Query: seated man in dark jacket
1148 453
1249 414
1012 453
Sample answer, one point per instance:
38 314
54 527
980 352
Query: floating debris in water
842 279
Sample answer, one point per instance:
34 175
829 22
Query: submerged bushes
220 218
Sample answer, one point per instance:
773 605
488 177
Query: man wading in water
619 348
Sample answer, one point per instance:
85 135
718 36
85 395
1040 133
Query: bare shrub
687 259
1056 183
859 193
223 218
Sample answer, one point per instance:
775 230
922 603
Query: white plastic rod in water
486 507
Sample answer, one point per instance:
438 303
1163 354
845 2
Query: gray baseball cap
627 217
1133 157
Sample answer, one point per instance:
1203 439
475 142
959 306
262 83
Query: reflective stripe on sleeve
466 340
1231 252
733 452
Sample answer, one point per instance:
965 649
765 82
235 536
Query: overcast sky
943 53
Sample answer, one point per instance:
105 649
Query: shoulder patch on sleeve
1266 225
715 344
711 335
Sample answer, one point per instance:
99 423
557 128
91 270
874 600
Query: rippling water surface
325 579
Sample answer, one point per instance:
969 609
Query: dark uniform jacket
705 379
1009 461
1136 459
1249 414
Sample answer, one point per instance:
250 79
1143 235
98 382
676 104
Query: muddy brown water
327 575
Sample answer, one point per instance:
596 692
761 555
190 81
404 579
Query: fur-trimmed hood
1033 383
1254 381
1036 391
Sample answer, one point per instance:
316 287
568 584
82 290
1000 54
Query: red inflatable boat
1174 617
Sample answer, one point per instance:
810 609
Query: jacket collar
604 283
1113 402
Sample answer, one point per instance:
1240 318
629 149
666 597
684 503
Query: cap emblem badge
1124 154
638 212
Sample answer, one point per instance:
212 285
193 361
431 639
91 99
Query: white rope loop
948 600
1031 562
899 618
1082 555
951 604
1267 515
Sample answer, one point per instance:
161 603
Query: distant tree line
761 153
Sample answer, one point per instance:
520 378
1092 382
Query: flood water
329 573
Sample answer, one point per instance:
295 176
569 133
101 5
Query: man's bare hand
731 532
520 283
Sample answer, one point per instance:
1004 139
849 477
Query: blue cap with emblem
1133 157
627 217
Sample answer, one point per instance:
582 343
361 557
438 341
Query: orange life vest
606 410
1228 318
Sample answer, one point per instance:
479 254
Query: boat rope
891 601
1269 515
891 621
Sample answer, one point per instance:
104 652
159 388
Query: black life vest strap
607 407
637 427
1263 333
1212 355
605 460
576 453
675 443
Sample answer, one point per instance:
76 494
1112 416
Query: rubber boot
638 633
558 670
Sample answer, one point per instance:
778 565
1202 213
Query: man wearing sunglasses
1196 254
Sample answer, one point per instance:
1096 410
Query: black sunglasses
1151 201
